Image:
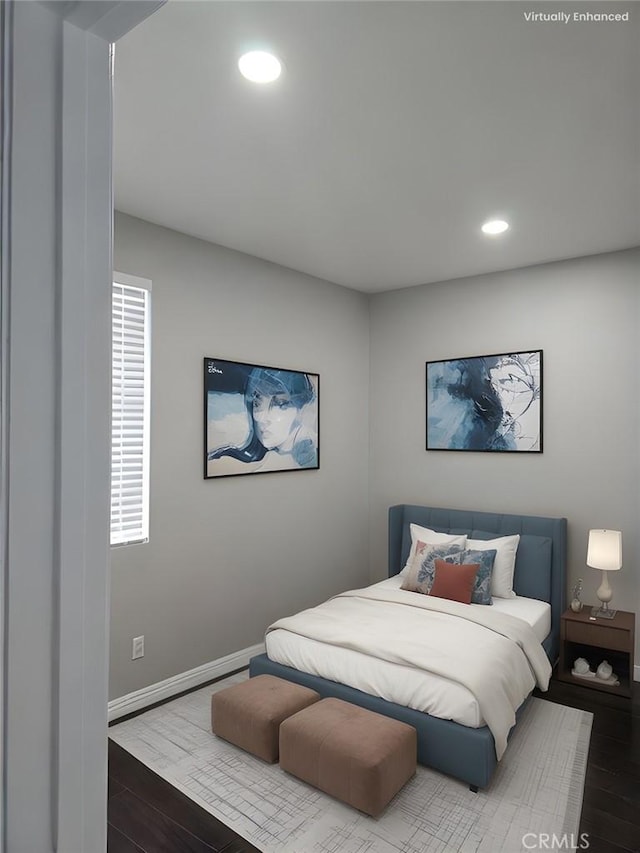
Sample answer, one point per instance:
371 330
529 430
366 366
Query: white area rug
537 788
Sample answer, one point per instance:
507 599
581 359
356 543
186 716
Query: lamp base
601 613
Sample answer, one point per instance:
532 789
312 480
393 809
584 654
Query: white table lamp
604 552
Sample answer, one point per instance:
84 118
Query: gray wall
228 556
585 315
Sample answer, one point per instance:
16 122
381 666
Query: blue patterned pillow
482 588
422 571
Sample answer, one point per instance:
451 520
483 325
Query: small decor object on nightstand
576 604
606 675
581 667
605 670
604 552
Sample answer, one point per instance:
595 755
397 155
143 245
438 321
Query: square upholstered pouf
249 714
355 755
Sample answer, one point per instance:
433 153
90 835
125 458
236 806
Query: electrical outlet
137 648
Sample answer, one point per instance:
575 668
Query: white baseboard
184 681
193 678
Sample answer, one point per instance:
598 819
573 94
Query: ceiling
395 131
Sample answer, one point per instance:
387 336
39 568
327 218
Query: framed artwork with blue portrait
490 403
259 419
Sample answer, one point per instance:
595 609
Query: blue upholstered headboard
540 561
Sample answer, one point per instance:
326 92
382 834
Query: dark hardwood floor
147 815
611 805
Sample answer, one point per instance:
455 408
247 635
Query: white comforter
491 654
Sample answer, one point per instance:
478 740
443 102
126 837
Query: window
131 352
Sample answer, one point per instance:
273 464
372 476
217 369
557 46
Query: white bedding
395 678
535 613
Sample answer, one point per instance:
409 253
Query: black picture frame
259 419
486 403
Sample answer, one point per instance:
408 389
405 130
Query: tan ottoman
355 755
249 714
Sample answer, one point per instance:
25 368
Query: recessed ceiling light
260 66
495 226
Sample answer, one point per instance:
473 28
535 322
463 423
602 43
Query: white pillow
503 565
429 537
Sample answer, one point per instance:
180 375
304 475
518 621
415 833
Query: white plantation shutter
130 410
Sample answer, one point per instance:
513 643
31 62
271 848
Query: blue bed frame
465 753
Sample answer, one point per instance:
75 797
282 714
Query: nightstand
612 640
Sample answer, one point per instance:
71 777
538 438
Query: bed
465 752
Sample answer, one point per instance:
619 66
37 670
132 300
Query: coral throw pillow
454 581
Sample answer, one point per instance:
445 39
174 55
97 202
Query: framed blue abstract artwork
259 419
486 403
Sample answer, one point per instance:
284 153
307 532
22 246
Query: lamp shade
604 550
